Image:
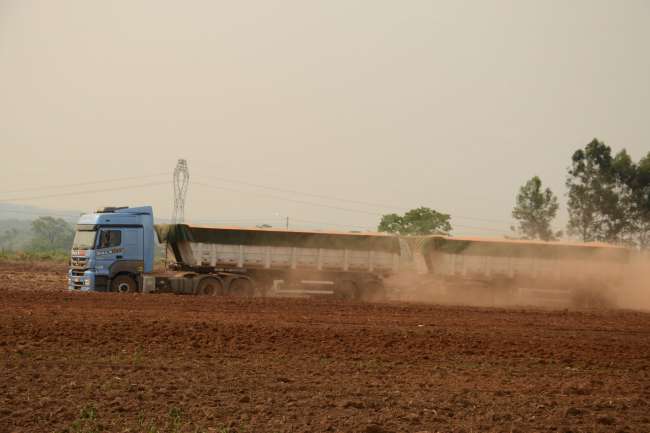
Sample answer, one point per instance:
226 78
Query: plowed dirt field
80 362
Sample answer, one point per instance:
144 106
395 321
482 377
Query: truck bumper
83 283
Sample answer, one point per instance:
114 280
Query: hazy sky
451 105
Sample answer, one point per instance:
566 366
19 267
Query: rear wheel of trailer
374 291
348 290
209 286
241 287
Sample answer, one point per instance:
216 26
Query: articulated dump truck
113 251
505 271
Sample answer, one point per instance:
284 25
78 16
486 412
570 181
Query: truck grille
79 262
77 272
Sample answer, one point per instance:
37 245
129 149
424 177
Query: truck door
132 245
120 249
109 248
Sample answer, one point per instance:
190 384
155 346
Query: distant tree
642 201
51 234
535 211
636 198
419 221
598 193
391 223
624 179
8 239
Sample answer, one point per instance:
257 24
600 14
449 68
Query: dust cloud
567 283
634 292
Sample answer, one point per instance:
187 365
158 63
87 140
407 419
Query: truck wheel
124 284
347 290
209 287
374 291
594 299
241 287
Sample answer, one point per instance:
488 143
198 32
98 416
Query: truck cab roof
116 216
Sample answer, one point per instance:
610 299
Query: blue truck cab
112 249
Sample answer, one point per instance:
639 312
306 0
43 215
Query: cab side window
110 238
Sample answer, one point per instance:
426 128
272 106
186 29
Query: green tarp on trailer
522 248
172 233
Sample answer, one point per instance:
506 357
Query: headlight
87 281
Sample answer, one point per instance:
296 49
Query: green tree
535 211
419 221
51 234
8 239
597 193
637 200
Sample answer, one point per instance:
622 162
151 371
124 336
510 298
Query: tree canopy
609 196
419 221
535 210
51 234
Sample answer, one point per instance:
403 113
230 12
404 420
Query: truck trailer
507 270
113 250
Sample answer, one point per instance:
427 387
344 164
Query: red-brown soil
81 362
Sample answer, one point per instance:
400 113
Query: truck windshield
84 240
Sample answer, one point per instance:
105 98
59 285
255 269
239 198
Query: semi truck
519 271
114 248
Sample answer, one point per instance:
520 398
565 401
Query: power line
267 220
73 193
343 200
375 214
221 220
286 199
365 227
483 229
368 227
41 213
327 197
290 191
309 203
94 182
253 221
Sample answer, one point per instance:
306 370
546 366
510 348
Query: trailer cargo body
587 272
266 248
284 259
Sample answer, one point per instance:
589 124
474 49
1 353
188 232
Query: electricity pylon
181 182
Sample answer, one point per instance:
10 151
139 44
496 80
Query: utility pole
284 219
181 182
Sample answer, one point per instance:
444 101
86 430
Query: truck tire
347 290
241 287
591 299
374 291
209 286
124 284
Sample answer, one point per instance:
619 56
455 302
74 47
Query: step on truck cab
113 250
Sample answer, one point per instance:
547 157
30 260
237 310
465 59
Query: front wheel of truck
124 284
